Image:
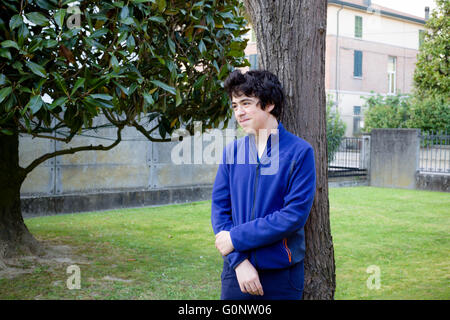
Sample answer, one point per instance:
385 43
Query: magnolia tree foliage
63 63
156 65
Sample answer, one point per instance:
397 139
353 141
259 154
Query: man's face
249 114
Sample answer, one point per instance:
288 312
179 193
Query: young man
262 195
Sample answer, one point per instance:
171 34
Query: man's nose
239 110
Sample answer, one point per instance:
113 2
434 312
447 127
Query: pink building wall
374 66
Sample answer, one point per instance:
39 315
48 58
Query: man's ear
269 107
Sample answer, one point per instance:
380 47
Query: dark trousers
279 284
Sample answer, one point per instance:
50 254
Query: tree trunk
15 238
291 44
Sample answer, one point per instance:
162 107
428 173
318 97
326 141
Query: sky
415 7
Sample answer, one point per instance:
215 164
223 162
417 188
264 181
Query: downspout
336 85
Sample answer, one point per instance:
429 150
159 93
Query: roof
361 5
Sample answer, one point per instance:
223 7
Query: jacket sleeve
292 217
221 218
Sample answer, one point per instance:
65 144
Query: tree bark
15 238
291 44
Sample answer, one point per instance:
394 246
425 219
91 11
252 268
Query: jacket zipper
287 250
254 199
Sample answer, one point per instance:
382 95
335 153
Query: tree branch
47 156
147 134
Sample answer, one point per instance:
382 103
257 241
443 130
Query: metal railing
434 155
351 158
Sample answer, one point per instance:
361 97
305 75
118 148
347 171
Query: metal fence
351 158
434 152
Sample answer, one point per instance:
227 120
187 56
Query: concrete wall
394 157
135 164
51 205
433 182
137 172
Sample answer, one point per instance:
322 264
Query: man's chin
249 130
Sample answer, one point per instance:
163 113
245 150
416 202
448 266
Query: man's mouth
244 120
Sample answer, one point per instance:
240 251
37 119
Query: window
357 64
253 61
392 61
421 37
356 120
358 27
253 36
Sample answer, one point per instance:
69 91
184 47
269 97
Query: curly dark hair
261 84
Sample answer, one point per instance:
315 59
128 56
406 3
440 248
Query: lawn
168 252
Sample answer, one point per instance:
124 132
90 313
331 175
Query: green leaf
223 71
98 33
78 84
162 5
15 22
101 96
5 92
3 80
148 98
115 64
97 103
7 132
171 45
164 86
36 69
202 47
10 44
216 66
118 4
44 4
127 21
37 18
5 53
60 102
199 82
131 44
157 19
23 34
179 100
60 82
49 43
59 17
35 104
124 13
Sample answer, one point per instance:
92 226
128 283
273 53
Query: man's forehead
242 98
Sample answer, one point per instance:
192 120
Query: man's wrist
241 263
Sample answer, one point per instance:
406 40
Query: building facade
370 49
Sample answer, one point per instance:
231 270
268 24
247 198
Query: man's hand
248 278
223 243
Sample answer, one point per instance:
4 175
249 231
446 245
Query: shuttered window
357 63
392 66
358 27
253 61
421 37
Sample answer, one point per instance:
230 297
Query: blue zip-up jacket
265 203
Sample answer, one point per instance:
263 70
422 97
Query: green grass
168 252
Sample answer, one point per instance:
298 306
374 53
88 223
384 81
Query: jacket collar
272 146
